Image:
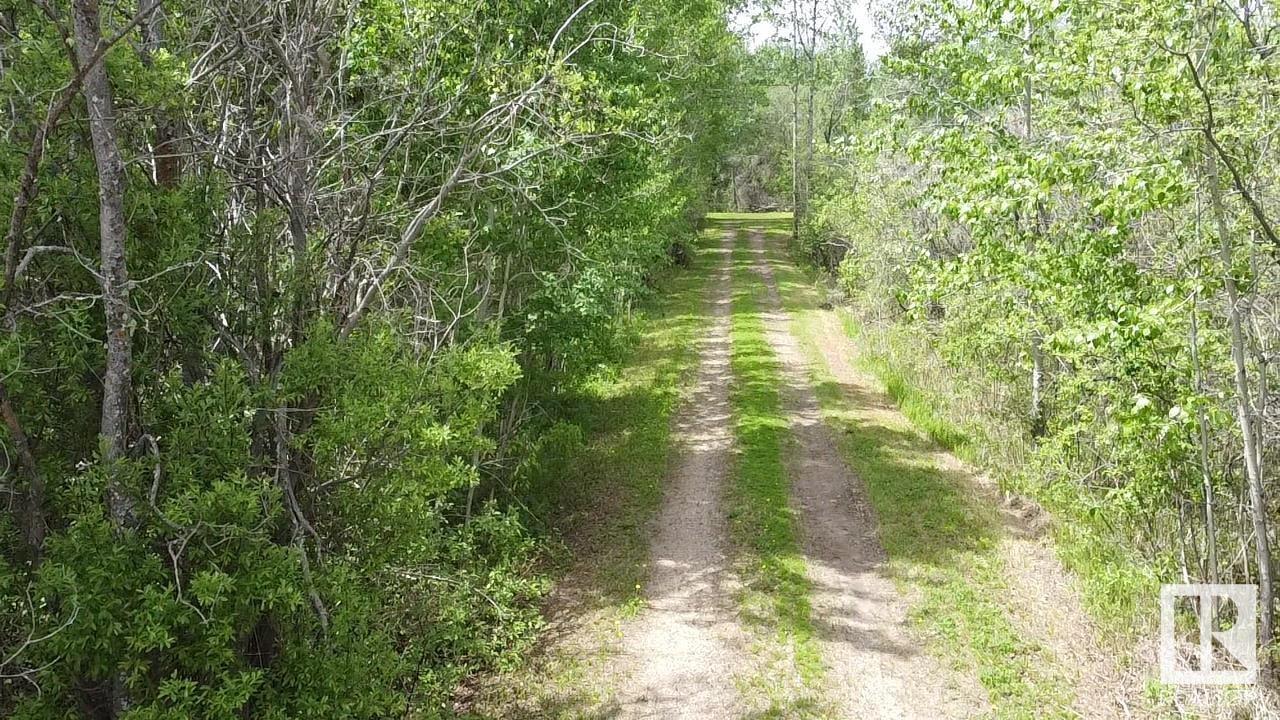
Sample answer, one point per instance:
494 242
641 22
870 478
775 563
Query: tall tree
113 269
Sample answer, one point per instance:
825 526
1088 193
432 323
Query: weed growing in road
775 599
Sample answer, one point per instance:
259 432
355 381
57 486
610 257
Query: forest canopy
287 289
298 296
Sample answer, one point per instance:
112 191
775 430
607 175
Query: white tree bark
1244 404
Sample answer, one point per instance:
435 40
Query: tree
351 257
1087 233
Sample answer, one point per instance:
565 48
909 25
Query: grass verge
942 542
1116 587
598 480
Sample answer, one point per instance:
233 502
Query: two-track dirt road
688 652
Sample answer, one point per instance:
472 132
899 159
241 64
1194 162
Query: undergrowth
607 485
1118 588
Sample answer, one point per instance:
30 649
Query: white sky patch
759 31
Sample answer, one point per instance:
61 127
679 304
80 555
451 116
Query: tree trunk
1244 409
811 58
166 161
1202 426
114 271
795 119
1037 409
114 277
1036 412
31 509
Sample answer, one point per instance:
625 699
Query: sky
873 45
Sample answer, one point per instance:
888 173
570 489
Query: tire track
875 668
686 647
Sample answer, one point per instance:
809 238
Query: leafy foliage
1070 205
371 244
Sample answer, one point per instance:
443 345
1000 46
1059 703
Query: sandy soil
686 646
875 669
